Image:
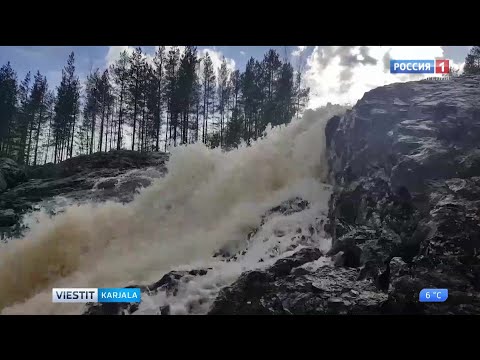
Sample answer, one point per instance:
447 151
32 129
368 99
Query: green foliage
472 62
177 97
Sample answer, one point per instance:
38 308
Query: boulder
10 173
322 291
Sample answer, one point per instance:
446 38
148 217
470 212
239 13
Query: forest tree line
146 105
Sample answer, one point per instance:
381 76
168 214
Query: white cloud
114 52
217 58
342 75
243 53
299 50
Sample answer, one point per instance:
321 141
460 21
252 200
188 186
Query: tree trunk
157 135
38 134
135 112
73 134
102 122
48 139
113 128
120 113
166 132
55 151
29 146
206 121
175 130
196 120
205 96
92 134
107 126
142 147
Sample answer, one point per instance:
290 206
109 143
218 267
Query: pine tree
75 96
248 98
120 71
301 93
235 86
267 77
208 80
8 100
104 100
234 130
134 90
262 111
185 88
108 113
197 99
223 96
138 94
66 109
157 92
49 116
145 75
472 62
23 119
171 77
39 110
109 133
91 108
284 96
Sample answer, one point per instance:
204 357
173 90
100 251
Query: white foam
208 200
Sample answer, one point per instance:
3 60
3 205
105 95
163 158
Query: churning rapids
208 200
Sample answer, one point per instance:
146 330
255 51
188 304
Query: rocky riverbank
114 175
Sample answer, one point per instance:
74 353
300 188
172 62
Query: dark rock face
10 174
406 162
97 177
327 290
168 283
404 214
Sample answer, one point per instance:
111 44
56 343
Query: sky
335 74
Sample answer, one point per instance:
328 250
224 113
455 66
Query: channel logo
438 66
101 295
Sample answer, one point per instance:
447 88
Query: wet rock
338 259
327 290
11 173
200 272
8 217
3 183
78 179
405 163
165 310
107 184
283 266
110 308
169 284
290 206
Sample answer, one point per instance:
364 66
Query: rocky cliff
404 214
406 161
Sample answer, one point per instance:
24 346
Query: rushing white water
208 200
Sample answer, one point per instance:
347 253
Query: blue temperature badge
433 295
